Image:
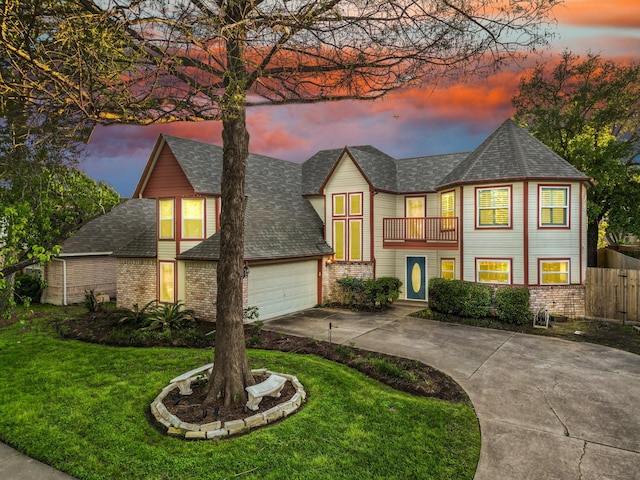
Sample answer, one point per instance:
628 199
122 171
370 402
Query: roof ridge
515 140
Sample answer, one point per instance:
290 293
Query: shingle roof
279 221
111 231
424 174
511 153
200 162
378 168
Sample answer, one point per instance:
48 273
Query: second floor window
165 218
347 226
447 210
193 218
493 207
554 206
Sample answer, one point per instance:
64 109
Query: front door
416 274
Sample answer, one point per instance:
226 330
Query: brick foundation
338 270
567 300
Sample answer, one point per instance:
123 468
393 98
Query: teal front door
416 278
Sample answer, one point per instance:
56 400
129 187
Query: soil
417 378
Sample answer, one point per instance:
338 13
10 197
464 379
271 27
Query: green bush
458 297
369 294
512 305
135 317
28 288
170 317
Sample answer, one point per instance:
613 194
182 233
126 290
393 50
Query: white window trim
508 261
508 207
540 206
201 218
550 260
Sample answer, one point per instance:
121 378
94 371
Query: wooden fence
613 294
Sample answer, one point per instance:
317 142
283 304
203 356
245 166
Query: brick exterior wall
136 281
568 300
200 289
338 270
97 273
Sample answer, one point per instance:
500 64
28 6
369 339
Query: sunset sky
405 124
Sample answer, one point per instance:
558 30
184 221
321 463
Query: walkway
548 408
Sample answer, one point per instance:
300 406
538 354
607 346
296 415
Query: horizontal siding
166 179
318 205
384 207
166 250
494 243
347 179
211 214
555 243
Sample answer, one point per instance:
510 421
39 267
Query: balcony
423 233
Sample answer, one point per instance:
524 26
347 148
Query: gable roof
279 221
509 153
109 232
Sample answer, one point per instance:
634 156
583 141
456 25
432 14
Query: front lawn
83 408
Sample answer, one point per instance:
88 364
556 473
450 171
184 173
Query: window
447 268
554 206
355 240
167 279
165 208
493 271
192 218
347 226
554 272
447 210
339 202
355 204
494 209
415 211
339 240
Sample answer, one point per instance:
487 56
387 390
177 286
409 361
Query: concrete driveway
548 408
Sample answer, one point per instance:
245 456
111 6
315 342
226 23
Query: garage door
283 288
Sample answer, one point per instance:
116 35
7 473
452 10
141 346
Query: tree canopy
144 61
588 111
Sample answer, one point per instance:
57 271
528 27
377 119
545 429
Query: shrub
170 317
458 297
28 288
512 305
369 294
135 317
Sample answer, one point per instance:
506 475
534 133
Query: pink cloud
592 13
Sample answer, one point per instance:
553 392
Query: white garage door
283 288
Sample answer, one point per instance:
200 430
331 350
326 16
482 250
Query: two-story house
511 212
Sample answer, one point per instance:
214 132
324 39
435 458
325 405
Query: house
85 261
511 212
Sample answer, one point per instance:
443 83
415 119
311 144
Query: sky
407 123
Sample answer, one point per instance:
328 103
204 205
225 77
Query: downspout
64 279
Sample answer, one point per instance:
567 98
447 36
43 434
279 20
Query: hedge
512 305
459 297
369 294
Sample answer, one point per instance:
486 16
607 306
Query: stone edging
178 428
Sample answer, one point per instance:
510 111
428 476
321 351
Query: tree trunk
231 373
592 244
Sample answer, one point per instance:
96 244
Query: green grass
83 409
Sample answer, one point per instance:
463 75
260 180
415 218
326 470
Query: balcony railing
430 230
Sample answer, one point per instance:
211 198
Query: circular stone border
178 428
